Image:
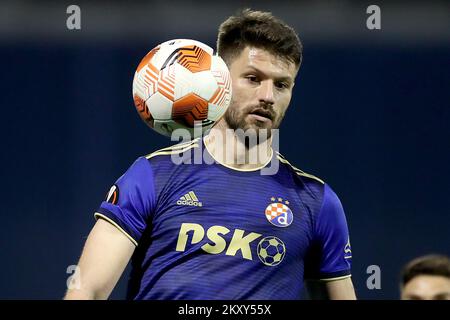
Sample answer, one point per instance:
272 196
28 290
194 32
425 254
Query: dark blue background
371 120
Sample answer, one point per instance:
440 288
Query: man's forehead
262 59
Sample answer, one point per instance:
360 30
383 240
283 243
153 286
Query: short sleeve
329 257
130 203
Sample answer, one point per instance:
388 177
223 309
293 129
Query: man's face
427 287
262 90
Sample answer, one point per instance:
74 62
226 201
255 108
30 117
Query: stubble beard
236 119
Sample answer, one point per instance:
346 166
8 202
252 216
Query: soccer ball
271 251
179 84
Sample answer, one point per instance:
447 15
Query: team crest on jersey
113 195
279 214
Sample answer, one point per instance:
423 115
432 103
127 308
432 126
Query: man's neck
230 150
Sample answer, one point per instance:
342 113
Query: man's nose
266 91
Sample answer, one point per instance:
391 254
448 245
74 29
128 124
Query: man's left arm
331 290
328 264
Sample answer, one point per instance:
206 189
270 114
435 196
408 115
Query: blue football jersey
207 231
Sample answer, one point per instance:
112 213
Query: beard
238 118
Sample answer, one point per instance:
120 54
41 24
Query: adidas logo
189 199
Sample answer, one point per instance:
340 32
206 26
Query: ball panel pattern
142 110
188 109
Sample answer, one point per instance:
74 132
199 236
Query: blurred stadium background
370 115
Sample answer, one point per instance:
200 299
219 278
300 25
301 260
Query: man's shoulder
305 177
167 154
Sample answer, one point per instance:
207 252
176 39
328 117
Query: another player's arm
106 253
331 290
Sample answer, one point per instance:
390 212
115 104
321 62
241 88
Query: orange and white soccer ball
181 83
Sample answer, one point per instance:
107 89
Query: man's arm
105 255
331 290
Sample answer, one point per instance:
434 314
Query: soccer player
426 278
224 230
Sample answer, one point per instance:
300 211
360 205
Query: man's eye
282 85
252 78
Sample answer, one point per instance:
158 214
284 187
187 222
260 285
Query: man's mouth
261 114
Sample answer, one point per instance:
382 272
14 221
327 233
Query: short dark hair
433 264
260 30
